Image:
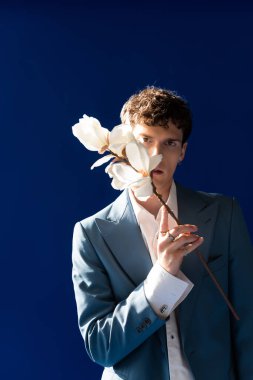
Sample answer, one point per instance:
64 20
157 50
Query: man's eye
171 143
145 139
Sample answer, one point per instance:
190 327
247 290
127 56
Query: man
147 308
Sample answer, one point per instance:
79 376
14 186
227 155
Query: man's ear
182 155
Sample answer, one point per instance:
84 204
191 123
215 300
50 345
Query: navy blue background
59 61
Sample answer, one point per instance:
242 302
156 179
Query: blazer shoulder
111 211
207 197
215 197
101 214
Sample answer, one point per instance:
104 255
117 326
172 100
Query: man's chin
162 186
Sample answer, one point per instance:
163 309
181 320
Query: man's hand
174 244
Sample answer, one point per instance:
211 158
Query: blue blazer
120 329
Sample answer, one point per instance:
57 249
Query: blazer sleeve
110 329
241 291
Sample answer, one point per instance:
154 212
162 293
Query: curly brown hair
155 106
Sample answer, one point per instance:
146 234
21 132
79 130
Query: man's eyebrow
152 137
172 139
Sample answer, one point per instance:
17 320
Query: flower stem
117 156
200 256
164 204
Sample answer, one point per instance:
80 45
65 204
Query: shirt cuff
164 291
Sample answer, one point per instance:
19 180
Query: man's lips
157 172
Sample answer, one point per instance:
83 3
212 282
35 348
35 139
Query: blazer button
163 308
147 321
143 325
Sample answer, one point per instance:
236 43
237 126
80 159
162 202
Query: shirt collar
142 214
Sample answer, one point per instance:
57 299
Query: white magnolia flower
137 176
136 165
94 137
91 134
119 137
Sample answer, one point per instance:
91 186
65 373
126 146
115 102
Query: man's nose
156 149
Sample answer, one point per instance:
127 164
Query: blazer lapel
124 239
194 209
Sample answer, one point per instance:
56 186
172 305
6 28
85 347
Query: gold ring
163 233
170 236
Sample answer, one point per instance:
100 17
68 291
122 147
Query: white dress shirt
163 290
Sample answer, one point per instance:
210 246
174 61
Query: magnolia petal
117 182
95 131
124 176
80 133
154 161
95 127
143 189
102 161
108 169
87 137
120 136
90 133
121 133
117 185
124 173
138 156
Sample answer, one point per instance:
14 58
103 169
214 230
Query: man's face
165 141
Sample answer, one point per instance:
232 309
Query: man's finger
164 220
183 229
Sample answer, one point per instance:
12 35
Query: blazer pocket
216 264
